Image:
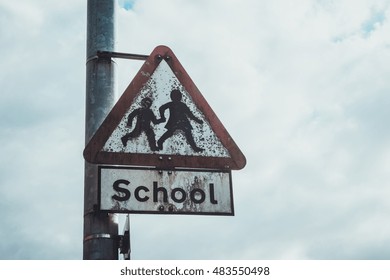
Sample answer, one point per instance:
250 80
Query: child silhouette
145 117
179 119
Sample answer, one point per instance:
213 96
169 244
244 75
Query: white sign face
184 191
164 120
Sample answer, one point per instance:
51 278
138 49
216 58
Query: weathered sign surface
182 191
162 120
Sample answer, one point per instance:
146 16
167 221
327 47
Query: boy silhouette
179 119
145 117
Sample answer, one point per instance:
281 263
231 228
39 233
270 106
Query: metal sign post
100 229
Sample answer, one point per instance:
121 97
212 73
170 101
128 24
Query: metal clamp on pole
100 236
124 240
124 245
109 55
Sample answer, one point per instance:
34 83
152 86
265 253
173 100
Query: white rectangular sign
178 191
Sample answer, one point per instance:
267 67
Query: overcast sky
302 87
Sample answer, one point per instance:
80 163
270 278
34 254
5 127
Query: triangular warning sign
163 120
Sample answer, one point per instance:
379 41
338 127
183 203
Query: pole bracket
100 236
124 245
122 241
109 55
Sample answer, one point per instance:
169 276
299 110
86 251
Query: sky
301 86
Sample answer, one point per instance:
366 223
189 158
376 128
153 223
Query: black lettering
182 197
125 192
138 197
193 196
156 190
212 196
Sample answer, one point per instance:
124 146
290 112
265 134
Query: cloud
42 103
306 113
302 88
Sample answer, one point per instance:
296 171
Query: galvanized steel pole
100 230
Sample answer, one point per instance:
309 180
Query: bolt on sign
162 122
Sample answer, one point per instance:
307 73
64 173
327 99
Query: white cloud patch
302 88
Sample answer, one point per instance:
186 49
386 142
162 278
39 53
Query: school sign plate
170 152
153 191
